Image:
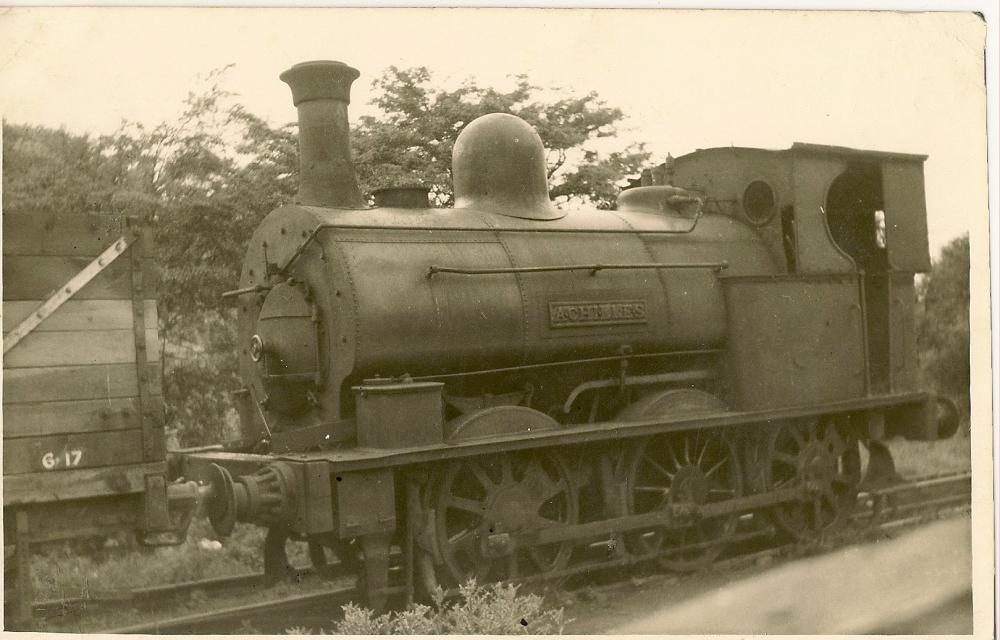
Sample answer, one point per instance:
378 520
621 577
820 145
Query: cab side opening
855 213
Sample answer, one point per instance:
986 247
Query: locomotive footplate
356 459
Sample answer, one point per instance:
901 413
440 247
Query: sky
909 82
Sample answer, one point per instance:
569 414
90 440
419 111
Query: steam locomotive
510 390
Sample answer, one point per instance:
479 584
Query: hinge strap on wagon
66 292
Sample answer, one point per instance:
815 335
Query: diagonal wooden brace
66 292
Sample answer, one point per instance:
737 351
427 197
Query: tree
52 170
411 139
943 327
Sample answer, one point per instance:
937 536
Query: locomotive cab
833 213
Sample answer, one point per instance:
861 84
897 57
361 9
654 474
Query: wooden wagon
83 416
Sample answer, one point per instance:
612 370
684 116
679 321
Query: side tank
336 293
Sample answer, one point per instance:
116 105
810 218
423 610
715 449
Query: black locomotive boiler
507 389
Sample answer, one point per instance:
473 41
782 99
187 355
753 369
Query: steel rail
949 491
192 623
143 595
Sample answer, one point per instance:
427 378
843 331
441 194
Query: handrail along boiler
503 388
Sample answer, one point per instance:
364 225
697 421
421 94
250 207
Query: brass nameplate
593 314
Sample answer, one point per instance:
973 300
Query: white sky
686 79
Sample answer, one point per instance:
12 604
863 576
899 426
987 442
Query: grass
914 458
124 614
61 571
65 571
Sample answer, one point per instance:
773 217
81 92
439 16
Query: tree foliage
52 170
207 179
943 327
411 139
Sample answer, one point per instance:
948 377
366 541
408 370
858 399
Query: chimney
321 91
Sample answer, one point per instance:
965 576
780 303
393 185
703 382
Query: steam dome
498 165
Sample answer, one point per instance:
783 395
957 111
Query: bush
480 610
943 326
200 363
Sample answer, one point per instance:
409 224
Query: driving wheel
820 456
680 472
481 504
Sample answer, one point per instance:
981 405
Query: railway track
320 599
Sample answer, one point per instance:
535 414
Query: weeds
914 458
60 571
478 610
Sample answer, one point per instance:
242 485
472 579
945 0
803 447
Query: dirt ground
599 610
750 594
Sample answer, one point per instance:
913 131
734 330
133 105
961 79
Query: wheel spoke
646 489
704 450
786 482
786 458
466 504
657 466
673 455
465 540
717 466
484 479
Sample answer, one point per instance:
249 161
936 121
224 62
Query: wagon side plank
78 483
58 234
79 382
37 277
59 348
74 451
32 419
79 315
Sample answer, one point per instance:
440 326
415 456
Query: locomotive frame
505 454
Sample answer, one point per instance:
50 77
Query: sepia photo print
495 320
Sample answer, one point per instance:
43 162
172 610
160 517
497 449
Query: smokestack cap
320 80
